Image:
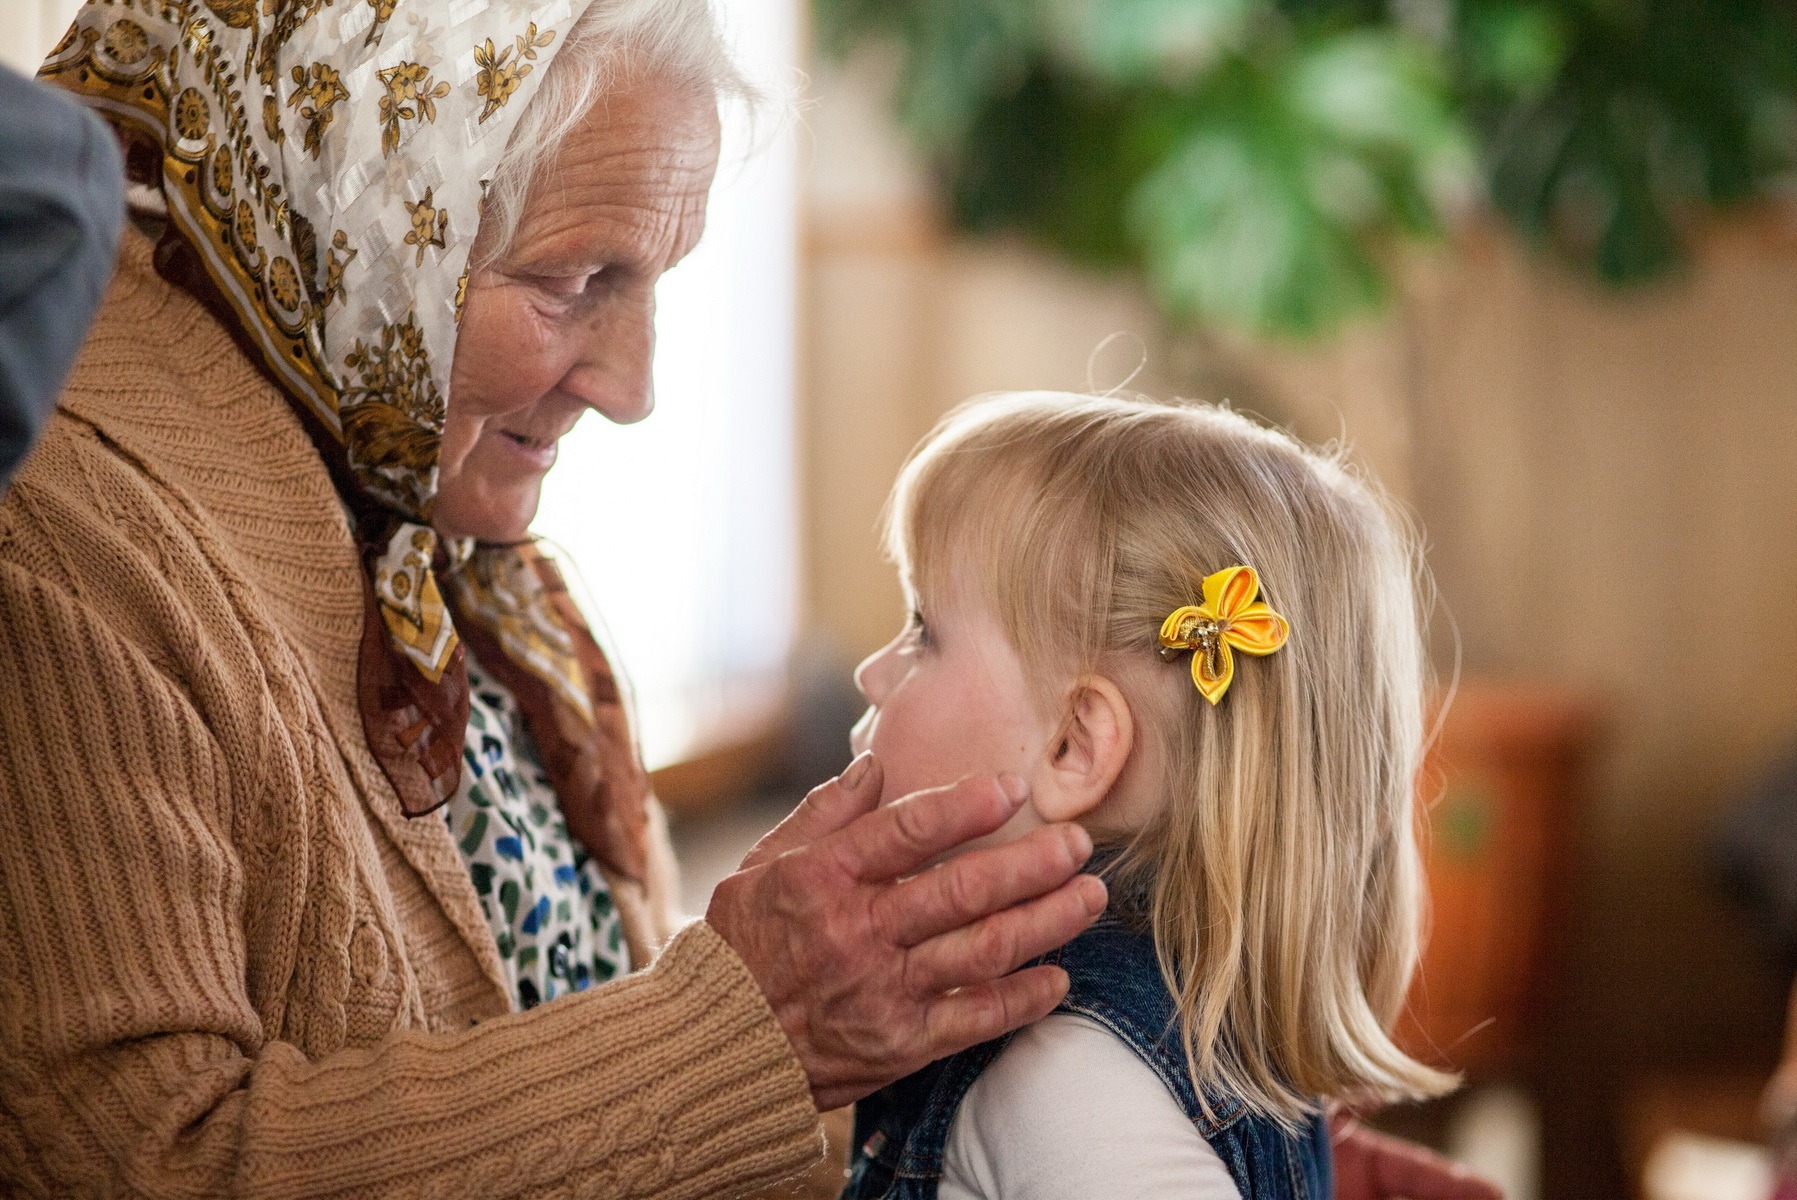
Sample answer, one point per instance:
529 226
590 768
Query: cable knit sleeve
134 1059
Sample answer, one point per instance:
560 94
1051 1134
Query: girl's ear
1088 754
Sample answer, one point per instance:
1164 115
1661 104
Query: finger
1001 943
982 1012
966 888
827 808
905 835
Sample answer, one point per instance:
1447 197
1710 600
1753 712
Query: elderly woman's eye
568 287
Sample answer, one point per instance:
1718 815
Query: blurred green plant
1256 161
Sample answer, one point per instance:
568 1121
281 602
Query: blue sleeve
62 191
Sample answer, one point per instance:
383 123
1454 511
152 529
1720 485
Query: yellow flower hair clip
1230 616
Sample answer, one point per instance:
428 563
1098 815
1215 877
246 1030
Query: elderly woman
330 868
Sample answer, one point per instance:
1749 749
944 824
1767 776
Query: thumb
825 809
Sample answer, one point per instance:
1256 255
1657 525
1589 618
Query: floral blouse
547 902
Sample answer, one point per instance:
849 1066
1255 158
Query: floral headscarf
323 162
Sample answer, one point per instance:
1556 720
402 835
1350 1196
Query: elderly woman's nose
614 374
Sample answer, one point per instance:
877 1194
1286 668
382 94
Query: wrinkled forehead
631 179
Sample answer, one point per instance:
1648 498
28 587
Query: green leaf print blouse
547 903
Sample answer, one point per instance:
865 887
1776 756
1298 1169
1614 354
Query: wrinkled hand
875 965
1376 1166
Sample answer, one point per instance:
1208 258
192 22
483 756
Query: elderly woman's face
564 321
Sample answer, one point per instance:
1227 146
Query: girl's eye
920 633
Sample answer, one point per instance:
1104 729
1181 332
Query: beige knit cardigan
229 964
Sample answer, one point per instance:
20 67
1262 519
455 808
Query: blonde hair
1280 879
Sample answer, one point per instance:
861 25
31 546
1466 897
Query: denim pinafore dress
901 1130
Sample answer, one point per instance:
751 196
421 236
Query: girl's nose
868 676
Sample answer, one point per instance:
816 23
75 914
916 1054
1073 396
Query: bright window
682 527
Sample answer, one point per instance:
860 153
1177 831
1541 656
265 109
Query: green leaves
1145 42
1371 91
1254 161
1658 111
1518 48
1234 233
1273 211
956 54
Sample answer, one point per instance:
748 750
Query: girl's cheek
903 753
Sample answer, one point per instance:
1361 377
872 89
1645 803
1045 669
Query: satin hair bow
1229 617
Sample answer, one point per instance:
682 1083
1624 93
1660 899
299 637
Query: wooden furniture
1499 818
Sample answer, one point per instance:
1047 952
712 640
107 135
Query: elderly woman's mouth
538 452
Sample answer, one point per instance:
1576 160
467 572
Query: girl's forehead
946 580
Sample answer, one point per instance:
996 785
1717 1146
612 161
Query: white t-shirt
1068 1112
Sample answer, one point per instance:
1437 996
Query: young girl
1199 640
